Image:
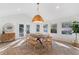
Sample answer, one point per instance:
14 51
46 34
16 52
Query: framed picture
8 27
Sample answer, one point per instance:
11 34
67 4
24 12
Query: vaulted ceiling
48 11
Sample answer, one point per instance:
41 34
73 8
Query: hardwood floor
19 47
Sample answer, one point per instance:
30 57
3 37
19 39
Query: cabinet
7 37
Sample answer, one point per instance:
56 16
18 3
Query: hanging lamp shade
37 18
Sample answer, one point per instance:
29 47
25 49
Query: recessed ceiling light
18 9
57 7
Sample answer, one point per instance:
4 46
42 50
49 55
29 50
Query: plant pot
76 44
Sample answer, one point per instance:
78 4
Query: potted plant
75 28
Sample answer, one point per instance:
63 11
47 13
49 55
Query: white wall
64 37
17 19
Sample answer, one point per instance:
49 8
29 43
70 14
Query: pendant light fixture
37 18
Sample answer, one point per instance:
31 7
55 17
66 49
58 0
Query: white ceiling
47 10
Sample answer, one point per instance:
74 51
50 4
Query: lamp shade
37 18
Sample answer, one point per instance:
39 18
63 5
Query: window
45 27
27 29
66 28
37 28
54 28
21 30
66 25
66 31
